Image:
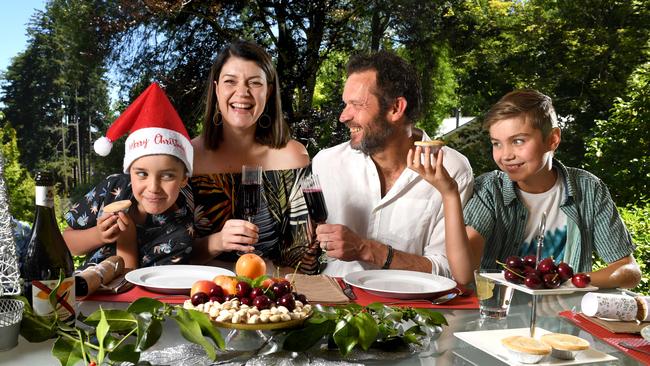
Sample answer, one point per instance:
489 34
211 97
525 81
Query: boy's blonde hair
533 105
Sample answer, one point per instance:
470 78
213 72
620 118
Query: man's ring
325 246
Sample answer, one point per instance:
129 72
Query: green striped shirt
593 223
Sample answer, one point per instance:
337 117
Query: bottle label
64 301
44 196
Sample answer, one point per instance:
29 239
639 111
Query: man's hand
340 242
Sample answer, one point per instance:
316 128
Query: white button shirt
409 217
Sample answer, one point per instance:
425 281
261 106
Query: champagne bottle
46 257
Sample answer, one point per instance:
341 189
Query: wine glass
251 186
316 207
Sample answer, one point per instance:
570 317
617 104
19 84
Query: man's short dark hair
395 78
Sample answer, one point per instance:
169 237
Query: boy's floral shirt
163 239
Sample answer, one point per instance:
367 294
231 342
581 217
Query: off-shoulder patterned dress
282 215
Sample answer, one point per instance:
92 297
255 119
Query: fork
633 347
437 301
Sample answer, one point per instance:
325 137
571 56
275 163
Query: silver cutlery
347 290
437 301
633 347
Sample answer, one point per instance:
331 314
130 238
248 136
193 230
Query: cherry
528 269
546 266
513 275
246 301
279 289
215 291
551 280
533 281
262 302
565 271
300 297
530 260
255 292
199 298
243 289
287 284
230 297
218 299
581 280
514 262
287 301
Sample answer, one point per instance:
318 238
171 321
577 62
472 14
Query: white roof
449 124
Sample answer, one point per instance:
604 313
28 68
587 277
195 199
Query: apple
581 280
207 287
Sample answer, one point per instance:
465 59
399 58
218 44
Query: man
382 215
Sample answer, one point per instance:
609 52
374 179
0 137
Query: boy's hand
236 235
112 225
436 174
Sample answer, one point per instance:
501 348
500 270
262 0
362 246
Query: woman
243 125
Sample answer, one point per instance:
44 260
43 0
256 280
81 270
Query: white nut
274 318
265 312
236 318
254 319
199 307
214 312
285 317
307 308
283 310
274 311
299 304
264 318
253 310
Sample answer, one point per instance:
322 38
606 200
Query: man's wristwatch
389 258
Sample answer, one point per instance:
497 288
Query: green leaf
67 351
145 305
149 331
119 320
303 339
367 329
432 317
346 336
125 353
207 327
102 331
191 330
36 328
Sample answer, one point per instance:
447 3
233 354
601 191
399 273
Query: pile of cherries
543 275
279 293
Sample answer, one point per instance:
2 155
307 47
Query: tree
619 150
20 185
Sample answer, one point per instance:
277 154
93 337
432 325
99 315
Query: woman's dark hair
395 78
277 134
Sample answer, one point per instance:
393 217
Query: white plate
173 279
645 332
565 288
489 341
399 284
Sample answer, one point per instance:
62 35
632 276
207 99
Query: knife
347 290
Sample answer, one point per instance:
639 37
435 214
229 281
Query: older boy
503 216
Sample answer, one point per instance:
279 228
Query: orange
228 284
250 265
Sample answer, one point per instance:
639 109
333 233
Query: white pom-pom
103 146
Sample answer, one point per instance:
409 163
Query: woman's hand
436 174
238 235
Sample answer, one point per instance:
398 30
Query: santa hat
155 128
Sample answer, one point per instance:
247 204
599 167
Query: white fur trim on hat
103 146
154 141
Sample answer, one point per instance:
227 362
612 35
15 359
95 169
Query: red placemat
611 338
460 302
135 293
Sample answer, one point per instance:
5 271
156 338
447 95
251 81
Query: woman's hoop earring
217 120
268 119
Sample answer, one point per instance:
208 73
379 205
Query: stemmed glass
251 187
316 207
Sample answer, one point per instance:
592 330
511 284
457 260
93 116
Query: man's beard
375 136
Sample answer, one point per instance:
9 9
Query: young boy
158 156
503 216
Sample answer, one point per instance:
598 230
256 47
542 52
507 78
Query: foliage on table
119 335
375 325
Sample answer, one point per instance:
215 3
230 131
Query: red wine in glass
315 204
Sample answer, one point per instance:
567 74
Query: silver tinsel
9 274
